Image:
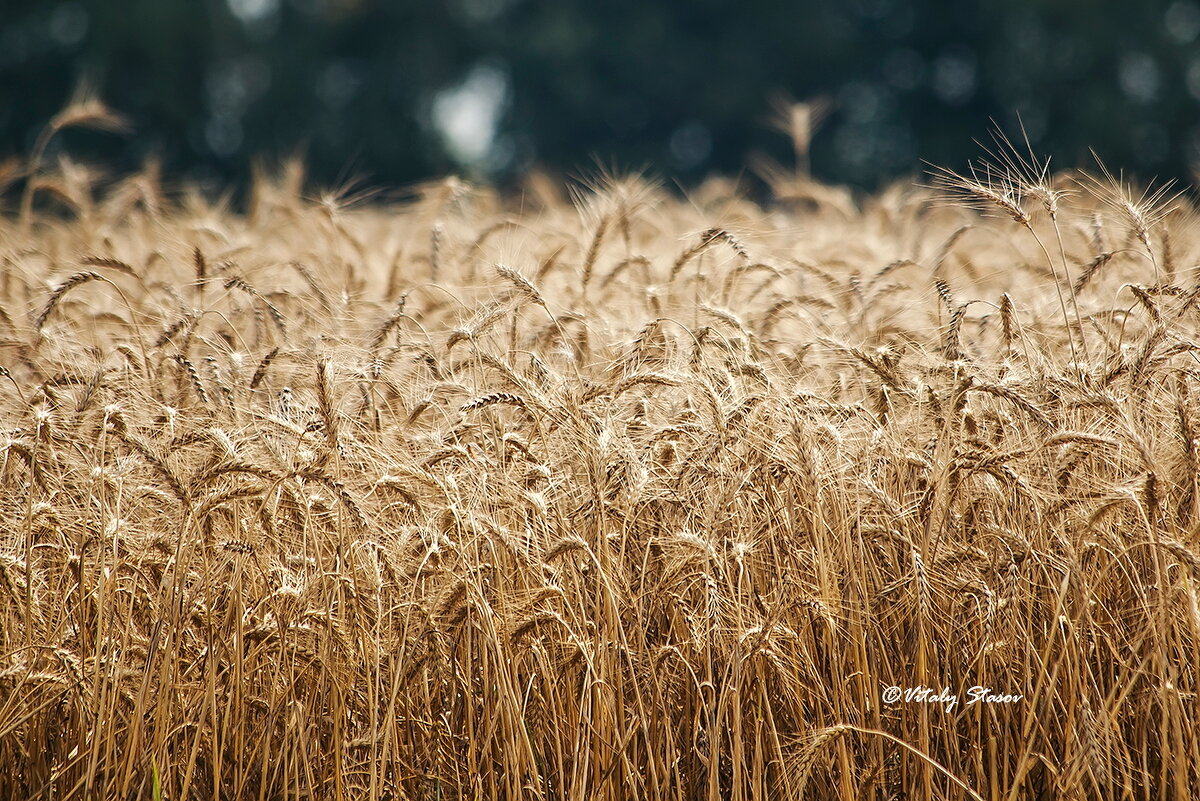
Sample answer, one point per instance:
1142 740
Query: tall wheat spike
563 530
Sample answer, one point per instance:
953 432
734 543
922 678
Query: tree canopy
399 91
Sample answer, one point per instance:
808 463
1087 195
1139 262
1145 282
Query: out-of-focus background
395 92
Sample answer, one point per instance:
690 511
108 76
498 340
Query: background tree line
399 91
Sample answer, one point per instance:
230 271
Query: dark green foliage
684 88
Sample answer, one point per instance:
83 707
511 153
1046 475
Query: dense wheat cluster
612 496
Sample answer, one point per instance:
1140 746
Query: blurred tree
403 90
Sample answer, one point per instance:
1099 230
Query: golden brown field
614 496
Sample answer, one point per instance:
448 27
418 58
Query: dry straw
558 533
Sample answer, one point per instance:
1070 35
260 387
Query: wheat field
611 494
